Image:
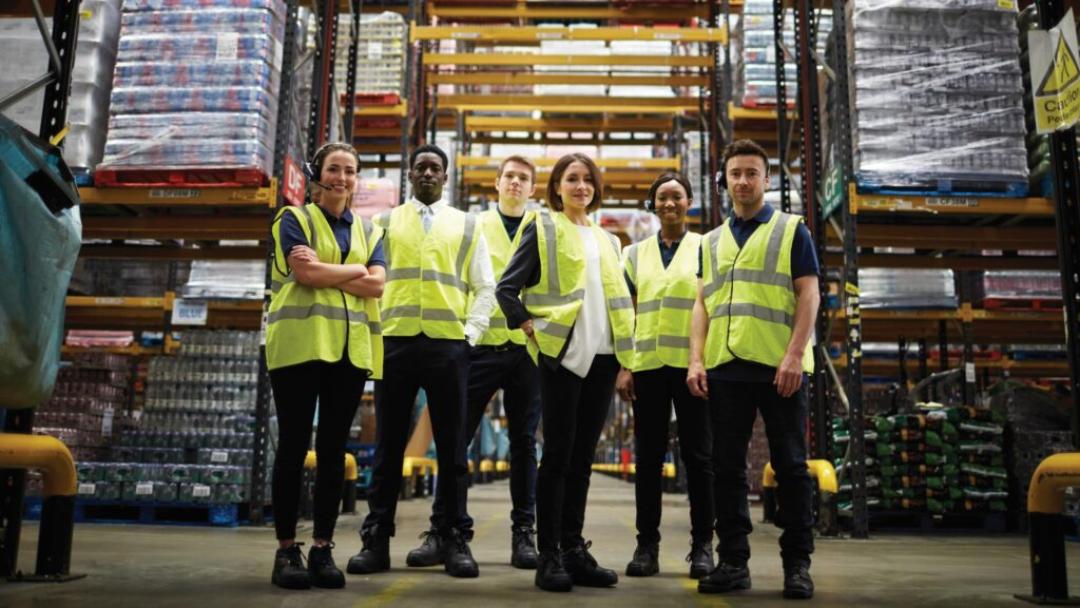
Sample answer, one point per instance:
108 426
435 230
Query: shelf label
969 373
464 35
189 312
292 186
1055 75
228 45
87 489
219 456
200 491
549 35
175 193
833 191
667 36
144 488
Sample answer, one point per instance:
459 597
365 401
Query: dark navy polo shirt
292 235
511 224
804 262
666 255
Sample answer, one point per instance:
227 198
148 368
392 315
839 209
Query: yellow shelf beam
964 262
196 227
643 178
571 103
565 141
397 110
568 125
544 164
949 205
531 59
147 252
533 34
564 11
534 78
963 238
181 197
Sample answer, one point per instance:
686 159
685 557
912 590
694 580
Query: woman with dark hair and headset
564 288
661 272
322 343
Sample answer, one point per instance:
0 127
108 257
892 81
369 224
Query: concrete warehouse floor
130 565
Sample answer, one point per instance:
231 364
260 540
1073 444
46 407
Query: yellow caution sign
1055 76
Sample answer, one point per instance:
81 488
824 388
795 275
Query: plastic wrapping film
91 82
1022 284
906 288
937 94
380 56
196 85
755 53
226 279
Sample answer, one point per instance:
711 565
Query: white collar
435 207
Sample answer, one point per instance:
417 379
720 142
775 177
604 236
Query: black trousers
338 387
441 368
512 370
574 412
733 407
656 391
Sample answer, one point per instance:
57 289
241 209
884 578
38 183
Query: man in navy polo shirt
751 348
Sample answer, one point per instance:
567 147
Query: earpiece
650 206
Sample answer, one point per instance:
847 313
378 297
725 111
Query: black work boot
584 570
700 558
374 557
429 553
522 549
550 575
457 556
646 560
797 583
322 569
725 577
289 570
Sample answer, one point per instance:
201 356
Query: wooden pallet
180 178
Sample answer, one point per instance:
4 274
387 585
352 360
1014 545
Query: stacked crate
917 455
937 97
195 93
755 53
380 56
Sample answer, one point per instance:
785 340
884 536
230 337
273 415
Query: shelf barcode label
144 488
200 491
219 456
175 193
87 489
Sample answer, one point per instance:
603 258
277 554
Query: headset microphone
309 172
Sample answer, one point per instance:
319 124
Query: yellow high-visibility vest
426 286
555 300
665 301
501 248
749 295
315 324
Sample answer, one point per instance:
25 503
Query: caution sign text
1055 76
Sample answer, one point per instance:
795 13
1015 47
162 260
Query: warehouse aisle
192 566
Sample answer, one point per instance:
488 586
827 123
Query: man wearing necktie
439 296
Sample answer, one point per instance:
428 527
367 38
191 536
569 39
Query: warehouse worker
500 360
661 272
322 342
437 262
579 319
750 351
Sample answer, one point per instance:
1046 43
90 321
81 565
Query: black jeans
512 370
441 368
574 412
733 407
656 391
338 387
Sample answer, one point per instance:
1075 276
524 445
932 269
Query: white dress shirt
481 278
592 330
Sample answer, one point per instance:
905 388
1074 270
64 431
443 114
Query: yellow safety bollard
1047 523
824 474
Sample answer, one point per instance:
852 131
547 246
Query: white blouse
592 331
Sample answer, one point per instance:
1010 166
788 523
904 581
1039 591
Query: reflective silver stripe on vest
762 277
311 227
466 242
497 323
772 253
445 279
620 303
375 328
367 227
552 256
624 344
718 278
547 299
649 306
440 314
678 303
399 274
394 312
276 285
298 313
631 263
647 346
745 309
557 330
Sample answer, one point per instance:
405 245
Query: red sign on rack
293 183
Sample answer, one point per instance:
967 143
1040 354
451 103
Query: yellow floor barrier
348 496
1047 523
824 475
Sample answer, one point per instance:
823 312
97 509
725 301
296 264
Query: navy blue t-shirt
666 255
804 262
292 235
511 223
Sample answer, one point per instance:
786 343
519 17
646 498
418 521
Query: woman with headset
322 343
564 288
661 272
